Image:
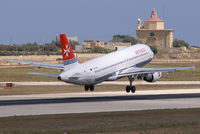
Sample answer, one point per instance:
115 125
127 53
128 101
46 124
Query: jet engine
152 77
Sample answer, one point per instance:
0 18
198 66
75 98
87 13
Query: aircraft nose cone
63 77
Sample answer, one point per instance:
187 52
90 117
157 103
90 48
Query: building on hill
99 43
89 44
116 45
73 38
70 38
153 32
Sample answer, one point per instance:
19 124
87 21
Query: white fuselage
108 66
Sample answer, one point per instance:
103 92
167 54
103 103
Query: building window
115 48
151 34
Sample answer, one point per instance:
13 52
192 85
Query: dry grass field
82 57
185 121
20 73
50 59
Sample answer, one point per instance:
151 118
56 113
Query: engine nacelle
152 77
113 77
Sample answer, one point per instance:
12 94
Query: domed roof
154 10
154 17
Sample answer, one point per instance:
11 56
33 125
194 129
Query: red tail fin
67 51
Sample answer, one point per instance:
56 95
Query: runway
98 102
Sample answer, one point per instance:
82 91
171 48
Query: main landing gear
89 87
131 87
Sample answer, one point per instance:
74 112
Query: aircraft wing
40 64
135 71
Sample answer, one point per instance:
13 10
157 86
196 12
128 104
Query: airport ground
102 112
175 121
166 121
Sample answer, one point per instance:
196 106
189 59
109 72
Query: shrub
180 43
154 49
97 49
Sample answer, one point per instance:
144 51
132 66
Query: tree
125 39
2 47
97 49
30 47
180 43
130 39
50 47
57 42
154 49
118 38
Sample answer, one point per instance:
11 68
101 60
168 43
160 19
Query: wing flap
135 71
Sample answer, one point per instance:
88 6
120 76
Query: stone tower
139 24
153 32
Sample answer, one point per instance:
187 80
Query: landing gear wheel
87 88
133 89
128 89
91 87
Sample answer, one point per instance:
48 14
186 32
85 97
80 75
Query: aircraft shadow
98 99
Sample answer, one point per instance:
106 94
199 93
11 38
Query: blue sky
24 21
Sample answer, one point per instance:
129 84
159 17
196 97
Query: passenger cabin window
152 34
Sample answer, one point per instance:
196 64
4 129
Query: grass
21 73
182 121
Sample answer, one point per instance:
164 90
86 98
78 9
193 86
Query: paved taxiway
58 83
98 102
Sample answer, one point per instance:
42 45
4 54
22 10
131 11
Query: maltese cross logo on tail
67 51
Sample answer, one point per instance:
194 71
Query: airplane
128 62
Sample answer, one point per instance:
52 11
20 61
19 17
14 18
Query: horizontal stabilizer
44 74
40 64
